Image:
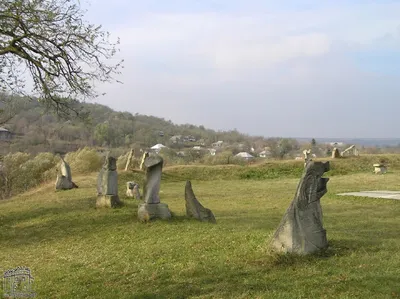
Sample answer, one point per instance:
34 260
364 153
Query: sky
271 68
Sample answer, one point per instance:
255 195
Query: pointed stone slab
64 177
194 208
301 230
152 208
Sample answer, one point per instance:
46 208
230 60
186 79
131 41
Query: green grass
76 251
270 169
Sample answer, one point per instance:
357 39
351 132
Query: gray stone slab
375 194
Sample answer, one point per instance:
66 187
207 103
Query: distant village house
5 134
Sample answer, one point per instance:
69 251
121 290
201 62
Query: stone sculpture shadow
301 229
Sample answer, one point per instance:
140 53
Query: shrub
19 172
39 169
121 161
84 160
11 173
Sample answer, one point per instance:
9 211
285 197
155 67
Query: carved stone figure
194 208
152 207
132 190
107 184
64 177
301 229
335 153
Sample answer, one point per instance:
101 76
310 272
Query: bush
19 172
39 169
10 173
121 161
84 160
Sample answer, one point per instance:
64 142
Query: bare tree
64 55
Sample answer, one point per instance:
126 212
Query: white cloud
260 70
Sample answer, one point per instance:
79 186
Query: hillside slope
36 130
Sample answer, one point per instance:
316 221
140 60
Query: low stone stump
132 190
379 168
150 211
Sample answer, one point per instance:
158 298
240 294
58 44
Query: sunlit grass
76 251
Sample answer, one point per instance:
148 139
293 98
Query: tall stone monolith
152 208
107 184
301 230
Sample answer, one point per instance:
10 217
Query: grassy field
76 251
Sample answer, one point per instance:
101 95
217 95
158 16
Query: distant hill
34 131
370 142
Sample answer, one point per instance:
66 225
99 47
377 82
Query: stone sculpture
107 184
350 151
335 153
64 177
301 230
194 209
132 190
129 160
152 207
307 154
379 168
145 155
